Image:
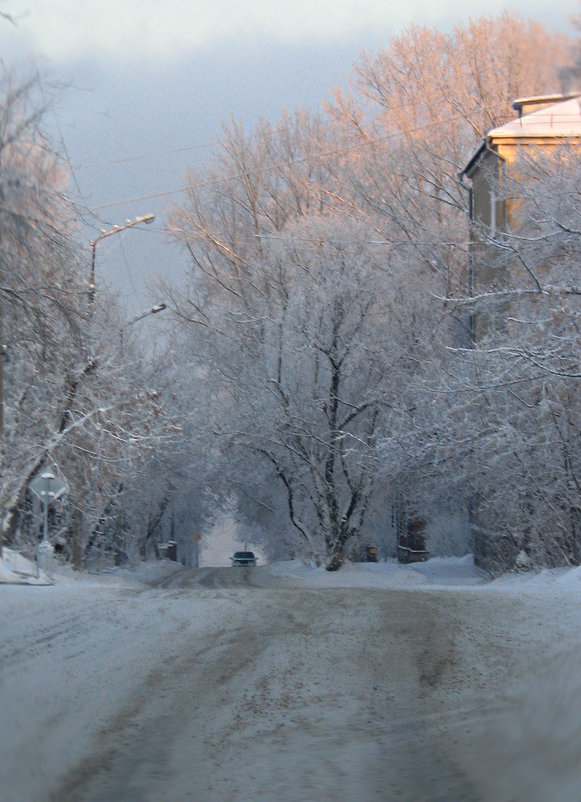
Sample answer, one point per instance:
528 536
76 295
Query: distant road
233 685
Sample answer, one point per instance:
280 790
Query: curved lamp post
146 218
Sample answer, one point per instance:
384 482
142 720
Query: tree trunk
336 560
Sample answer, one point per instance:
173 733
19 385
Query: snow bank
17 570
438 572
390 574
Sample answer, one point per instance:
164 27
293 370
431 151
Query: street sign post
48 488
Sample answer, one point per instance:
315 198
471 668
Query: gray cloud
137 114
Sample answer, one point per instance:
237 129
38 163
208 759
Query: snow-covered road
273 684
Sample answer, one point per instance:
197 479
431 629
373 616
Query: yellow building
543 123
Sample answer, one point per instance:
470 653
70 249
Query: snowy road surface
240 685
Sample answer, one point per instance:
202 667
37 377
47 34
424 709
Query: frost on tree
525 311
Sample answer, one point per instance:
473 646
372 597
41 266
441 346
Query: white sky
65 29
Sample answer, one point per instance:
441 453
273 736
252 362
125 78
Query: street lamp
146 218
153 311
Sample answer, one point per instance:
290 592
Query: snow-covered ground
17 570
437 571
99 672
440 572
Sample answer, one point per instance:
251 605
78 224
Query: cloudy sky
148 83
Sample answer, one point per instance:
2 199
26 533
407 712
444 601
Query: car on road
243 558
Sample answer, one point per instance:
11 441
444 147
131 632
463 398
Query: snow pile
17 570
438 571
570 579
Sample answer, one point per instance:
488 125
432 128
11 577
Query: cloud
165 29
69 29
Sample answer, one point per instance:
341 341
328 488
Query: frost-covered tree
308 355
498 429
72 401
41 296
294 229
529 360
417 110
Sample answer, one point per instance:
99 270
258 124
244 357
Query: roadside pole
48 488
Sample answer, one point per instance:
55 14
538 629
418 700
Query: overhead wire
128 159
263 170
64 152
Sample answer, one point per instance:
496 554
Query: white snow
559 119
440 572
70 655
17 570
71 652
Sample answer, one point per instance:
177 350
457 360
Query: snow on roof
526 105
559 119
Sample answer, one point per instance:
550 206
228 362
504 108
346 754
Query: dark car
243 558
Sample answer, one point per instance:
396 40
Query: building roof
559 119
526 105
555 116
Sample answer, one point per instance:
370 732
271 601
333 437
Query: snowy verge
389 574
17 570
438 572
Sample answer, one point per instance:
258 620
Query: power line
128 159
63 150
263 170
